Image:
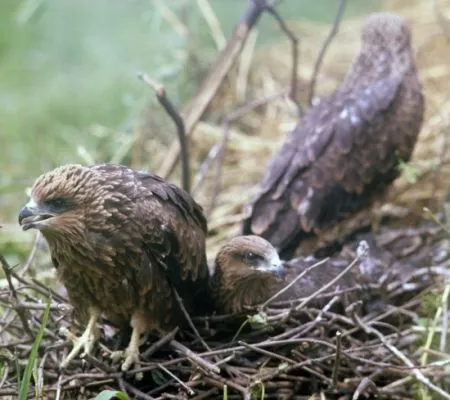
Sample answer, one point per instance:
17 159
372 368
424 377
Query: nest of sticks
279 350
391 347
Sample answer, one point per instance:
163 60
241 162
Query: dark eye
57 203
251 259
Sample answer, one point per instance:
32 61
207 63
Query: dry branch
195 109
179 123
323 50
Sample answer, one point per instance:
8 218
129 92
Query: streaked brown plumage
119 238
248 271
344 152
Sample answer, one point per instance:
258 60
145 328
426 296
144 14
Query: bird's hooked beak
32 214
275 266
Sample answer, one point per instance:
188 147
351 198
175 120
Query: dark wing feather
175 231
168 226
312 179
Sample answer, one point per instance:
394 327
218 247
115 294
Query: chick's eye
251 258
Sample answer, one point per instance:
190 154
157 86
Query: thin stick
326 43
217 148
32 254
443 342
201 362
337 359
160 343
299 276
195 109
21 312
189 320
179 123
186 387
266 352
217 152
295 55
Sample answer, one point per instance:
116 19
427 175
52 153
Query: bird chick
120 239
344 152
248 271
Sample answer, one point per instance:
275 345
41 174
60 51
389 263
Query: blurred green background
68 86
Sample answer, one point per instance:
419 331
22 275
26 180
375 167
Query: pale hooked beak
32 214
274 265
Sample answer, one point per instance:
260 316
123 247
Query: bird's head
245 253
386 31
59 200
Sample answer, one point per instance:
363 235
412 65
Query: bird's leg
86 340
131 353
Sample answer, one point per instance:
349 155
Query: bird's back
343 153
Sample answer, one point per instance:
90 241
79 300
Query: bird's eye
251 259
57 203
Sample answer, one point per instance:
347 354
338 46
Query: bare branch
21 312
195 109
326 43
217 152
295 55
179 123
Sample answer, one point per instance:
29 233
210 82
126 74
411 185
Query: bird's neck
237 288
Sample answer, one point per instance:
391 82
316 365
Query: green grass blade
26 378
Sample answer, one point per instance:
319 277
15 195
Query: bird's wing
174 230
320 146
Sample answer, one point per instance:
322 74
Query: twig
266 352
189 320
195 109
195 357
21 312
299 276
337 360
217 152
179 123
363 253
326 43
187 388
295 53
32 254
220 382
364 384
160 343
443 342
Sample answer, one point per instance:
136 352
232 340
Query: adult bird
344 153
120 240
248 271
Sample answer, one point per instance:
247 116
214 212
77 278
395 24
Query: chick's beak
30 215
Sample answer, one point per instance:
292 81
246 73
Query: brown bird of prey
248 271
119 239
344 153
